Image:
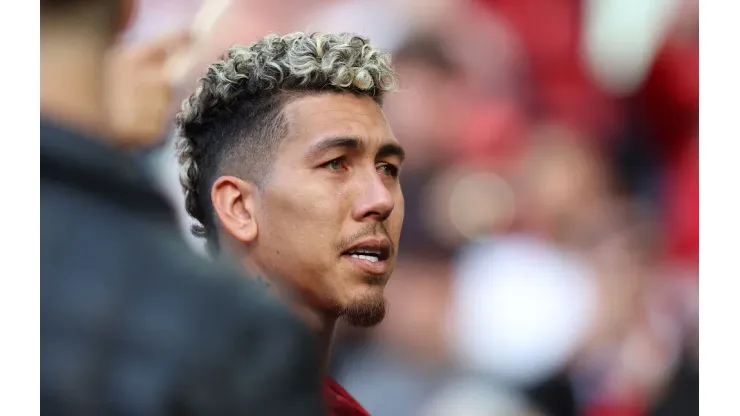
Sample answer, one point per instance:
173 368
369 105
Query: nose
374 199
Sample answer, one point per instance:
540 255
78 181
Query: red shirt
339 402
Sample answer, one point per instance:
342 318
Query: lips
370 255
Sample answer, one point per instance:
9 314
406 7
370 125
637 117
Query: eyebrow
391 149
318 149
354 143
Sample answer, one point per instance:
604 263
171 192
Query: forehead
314 118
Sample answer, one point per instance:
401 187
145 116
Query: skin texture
333 184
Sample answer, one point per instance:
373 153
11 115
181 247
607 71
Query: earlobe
233 201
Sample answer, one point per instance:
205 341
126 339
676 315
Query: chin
376 281
365 312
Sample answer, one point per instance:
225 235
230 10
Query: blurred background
549 257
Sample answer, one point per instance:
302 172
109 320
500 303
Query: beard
365 313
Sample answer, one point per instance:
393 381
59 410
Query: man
289 165
130 323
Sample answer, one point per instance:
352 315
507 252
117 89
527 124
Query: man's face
330 216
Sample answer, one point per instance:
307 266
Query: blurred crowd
549 256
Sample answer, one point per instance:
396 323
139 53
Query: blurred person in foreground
289 165
129 324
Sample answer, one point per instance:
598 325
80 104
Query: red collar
339 402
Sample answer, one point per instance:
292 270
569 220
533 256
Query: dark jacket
134 323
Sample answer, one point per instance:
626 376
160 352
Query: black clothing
133 322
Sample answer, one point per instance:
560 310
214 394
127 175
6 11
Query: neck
72 76
325 338
321 323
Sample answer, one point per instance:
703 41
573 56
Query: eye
335 165
389 170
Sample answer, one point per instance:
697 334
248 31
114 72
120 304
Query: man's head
76 36
287 157
427 117
95 19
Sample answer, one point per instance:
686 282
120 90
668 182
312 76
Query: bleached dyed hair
234 121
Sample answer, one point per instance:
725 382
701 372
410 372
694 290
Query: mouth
370 255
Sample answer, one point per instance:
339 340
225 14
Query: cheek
304 219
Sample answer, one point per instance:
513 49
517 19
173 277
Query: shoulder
153 316
129 310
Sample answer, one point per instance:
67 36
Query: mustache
370 230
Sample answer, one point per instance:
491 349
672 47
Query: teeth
372 258
368 251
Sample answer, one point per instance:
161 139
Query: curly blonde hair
233 122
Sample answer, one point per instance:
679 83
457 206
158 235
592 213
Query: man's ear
234 203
